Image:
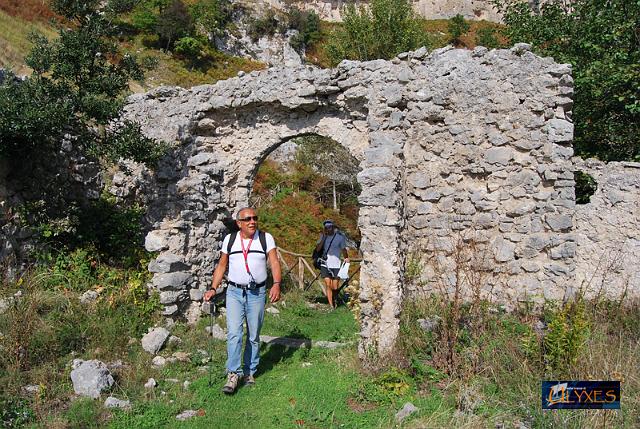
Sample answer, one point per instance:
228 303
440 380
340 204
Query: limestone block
498 155
153 341
168 263
177 280
171 297
559 130
90 378
156 241
559 222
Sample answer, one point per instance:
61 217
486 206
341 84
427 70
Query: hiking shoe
232 383
249 381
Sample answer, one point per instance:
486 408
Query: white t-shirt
333 252
256 259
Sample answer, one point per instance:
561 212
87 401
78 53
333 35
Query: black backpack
261 236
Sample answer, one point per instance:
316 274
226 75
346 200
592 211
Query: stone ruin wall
489 176
455 144
607 231
452 141
331 10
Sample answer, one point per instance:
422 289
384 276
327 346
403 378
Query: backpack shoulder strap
232 239
262 236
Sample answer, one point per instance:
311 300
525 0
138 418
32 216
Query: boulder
90 378
153 341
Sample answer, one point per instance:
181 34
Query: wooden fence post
300 274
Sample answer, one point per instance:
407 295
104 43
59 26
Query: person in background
333 243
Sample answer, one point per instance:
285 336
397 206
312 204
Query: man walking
332 242
245 253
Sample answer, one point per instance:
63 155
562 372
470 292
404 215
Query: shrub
210 16
457 27
486 37
189 47
586 186
383 30
266 25
144 19
308 26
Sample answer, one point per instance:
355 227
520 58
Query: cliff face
330 10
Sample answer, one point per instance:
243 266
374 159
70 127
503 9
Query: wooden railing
302 272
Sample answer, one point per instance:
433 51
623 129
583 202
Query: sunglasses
248 218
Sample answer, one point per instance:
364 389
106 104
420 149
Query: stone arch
455 140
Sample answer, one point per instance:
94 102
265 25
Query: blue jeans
244 306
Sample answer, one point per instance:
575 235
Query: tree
330 159
174 23
77 87
75 93
382 30
601 39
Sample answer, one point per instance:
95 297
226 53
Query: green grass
171 70
298 320
295 388
14 41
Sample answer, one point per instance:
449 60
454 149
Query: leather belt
246 286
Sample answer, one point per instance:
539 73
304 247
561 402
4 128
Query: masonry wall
608 231
488 168
448 142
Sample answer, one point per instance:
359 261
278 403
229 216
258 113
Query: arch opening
305 179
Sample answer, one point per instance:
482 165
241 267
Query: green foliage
144 17
210 16
174 22
382 30
387 387
84 413
265 25
586 186
189 47
308 25
76 90
127 141
457 27
601 41
115 233
567 332
15 412
486 36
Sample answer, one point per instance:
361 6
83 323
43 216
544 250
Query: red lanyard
245 253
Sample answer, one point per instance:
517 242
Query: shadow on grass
276 353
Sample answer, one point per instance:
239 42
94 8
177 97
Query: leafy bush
174 23
189 47
601 42
486 36
384 29
210 16
586 186
144 18
15 412
568 330
308 25
457 27
266 25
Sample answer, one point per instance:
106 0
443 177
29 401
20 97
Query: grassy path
311 388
